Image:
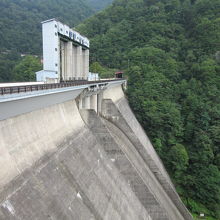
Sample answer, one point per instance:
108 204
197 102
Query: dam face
62 161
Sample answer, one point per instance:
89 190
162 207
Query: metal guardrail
30 88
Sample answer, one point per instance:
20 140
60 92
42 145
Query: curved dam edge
116 109
131 166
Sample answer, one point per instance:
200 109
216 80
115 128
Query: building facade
65 53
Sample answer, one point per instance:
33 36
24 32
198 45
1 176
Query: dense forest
170 52
97 4
20 20
20 25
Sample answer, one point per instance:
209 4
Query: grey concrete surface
59 163
72 179
14 106
121 116
126 162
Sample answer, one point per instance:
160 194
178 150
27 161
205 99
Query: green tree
96 68
25 70
7 62
179 160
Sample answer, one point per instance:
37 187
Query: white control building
65 53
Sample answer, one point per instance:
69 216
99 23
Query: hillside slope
97 4
20 20
20 27
170 51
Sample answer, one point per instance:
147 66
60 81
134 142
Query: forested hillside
170 50
20 20
97 4
20 26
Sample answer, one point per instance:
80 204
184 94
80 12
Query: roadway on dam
17 100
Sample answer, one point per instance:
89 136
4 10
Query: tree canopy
25 70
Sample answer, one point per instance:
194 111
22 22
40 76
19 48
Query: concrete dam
71 148
65 156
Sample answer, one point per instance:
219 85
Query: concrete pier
94 102
79 62
74 60
69 59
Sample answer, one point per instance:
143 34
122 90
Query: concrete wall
61 163
50 42
121 115
115 93
128 163
26 138
53 167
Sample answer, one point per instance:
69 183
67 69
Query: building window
55 26
55 49
56 33
61 29
67 32
56 64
